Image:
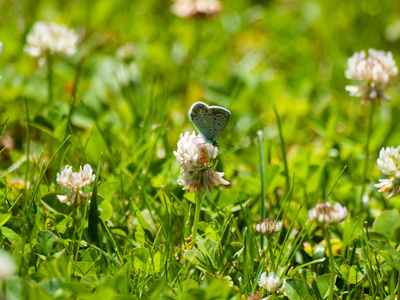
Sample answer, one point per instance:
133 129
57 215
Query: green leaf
193 294
108 189
4 218
321 286
140 256
317 261
10 234
196 256
339 261
146 227
51 202
229 197
15 288
45 240
352 228
387 222
52 286
387 252
106 209
210 250
85 268
350 275
296 289
76 288
139 235
217 289
189 284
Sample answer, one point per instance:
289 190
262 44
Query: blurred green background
255 54
250 58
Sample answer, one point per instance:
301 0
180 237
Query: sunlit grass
295 138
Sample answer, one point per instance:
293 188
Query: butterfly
210 121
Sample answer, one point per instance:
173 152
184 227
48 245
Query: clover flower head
373 71
389 164
269 227
325 214
271 283
194 155
50 37
389 161
7 265
75 181
196 8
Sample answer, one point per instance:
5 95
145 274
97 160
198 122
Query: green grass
278 66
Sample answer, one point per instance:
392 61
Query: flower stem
50 78
199 204
262 173
331 262
271 254
366 151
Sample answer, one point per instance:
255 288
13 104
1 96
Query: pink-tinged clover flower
373 72
389 164
194 155
196 8
75 182
325 214
269 227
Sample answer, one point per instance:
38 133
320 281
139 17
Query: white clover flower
269 227
389 164
75 181
389 161
193 8
386 185
194 155
50 37
374 71
272 283
86 175
7 265
126 52
326 214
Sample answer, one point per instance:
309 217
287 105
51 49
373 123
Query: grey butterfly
210 121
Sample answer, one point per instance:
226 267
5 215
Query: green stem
199 204
271 254
50 78
74 243
286 171
80 231
331 262
366 151
3 289
262 173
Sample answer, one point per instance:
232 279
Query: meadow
106 192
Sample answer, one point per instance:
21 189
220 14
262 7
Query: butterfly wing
220 118
210 121
201 118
